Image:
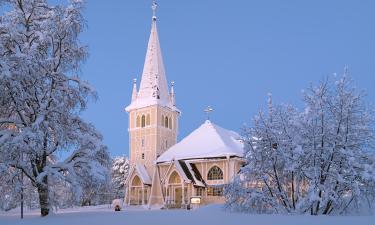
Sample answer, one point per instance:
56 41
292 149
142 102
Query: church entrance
178 196
138 192
174 191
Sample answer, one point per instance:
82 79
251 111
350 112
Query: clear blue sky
227 54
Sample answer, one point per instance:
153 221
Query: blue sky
226 54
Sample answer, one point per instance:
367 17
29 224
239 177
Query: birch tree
42 96
319 160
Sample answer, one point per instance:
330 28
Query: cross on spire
208 110
154 7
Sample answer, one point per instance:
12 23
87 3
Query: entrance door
178 197
139 197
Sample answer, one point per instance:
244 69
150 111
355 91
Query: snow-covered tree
96 190
42 96
120 171
318 161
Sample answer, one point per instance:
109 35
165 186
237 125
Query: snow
153 89
212 214
208 141
181 172
141 170
196 181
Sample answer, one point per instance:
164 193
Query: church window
200 191
138 123
174 178
162 120
215 191
136 181
143 142
166 122
143 121
215 173
143 155
170 122
148 120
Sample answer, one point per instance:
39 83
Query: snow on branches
318 161
42 95
120 172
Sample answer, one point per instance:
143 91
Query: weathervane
154 7
208 110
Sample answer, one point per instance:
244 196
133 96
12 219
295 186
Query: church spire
153 85
153 88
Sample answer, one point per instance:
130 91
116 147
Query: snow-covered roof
153 89
142 172
208 141
187 173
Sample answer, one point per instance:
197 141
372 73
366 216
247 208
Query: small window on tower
138 123
143 155
143 120
143 142
170 122
166 122
166 144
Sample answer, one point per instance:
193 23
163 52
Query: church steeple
153 117
153 88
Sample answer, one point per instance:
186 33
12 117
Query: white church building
165 173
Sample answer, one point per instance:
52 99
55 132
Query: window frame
215 173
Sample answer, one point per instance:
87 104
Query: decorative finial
173 99
208 110
154 7
134 94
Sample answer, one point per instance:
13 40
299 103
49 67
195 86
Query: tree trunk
43 197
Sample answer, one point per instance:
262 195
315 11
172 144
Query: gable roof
188 173
142 172
208 141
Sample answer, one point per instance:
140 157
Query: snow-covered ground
103 215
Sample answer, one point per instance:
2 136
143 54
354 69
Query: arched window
162 120
143 120
166 122
136 181
170 122
148 120
174 178
138 123
215 173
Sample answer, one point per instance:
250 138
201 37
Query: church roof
189 173
142 172
153 89
208 141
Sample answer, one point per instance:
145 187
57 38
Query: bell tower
153 115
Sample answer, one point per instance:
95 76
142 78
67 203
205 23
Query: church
165 173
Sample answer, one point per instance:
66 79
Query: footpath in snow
210 215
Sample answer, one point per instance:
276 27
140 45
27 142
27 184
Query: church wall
229 167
